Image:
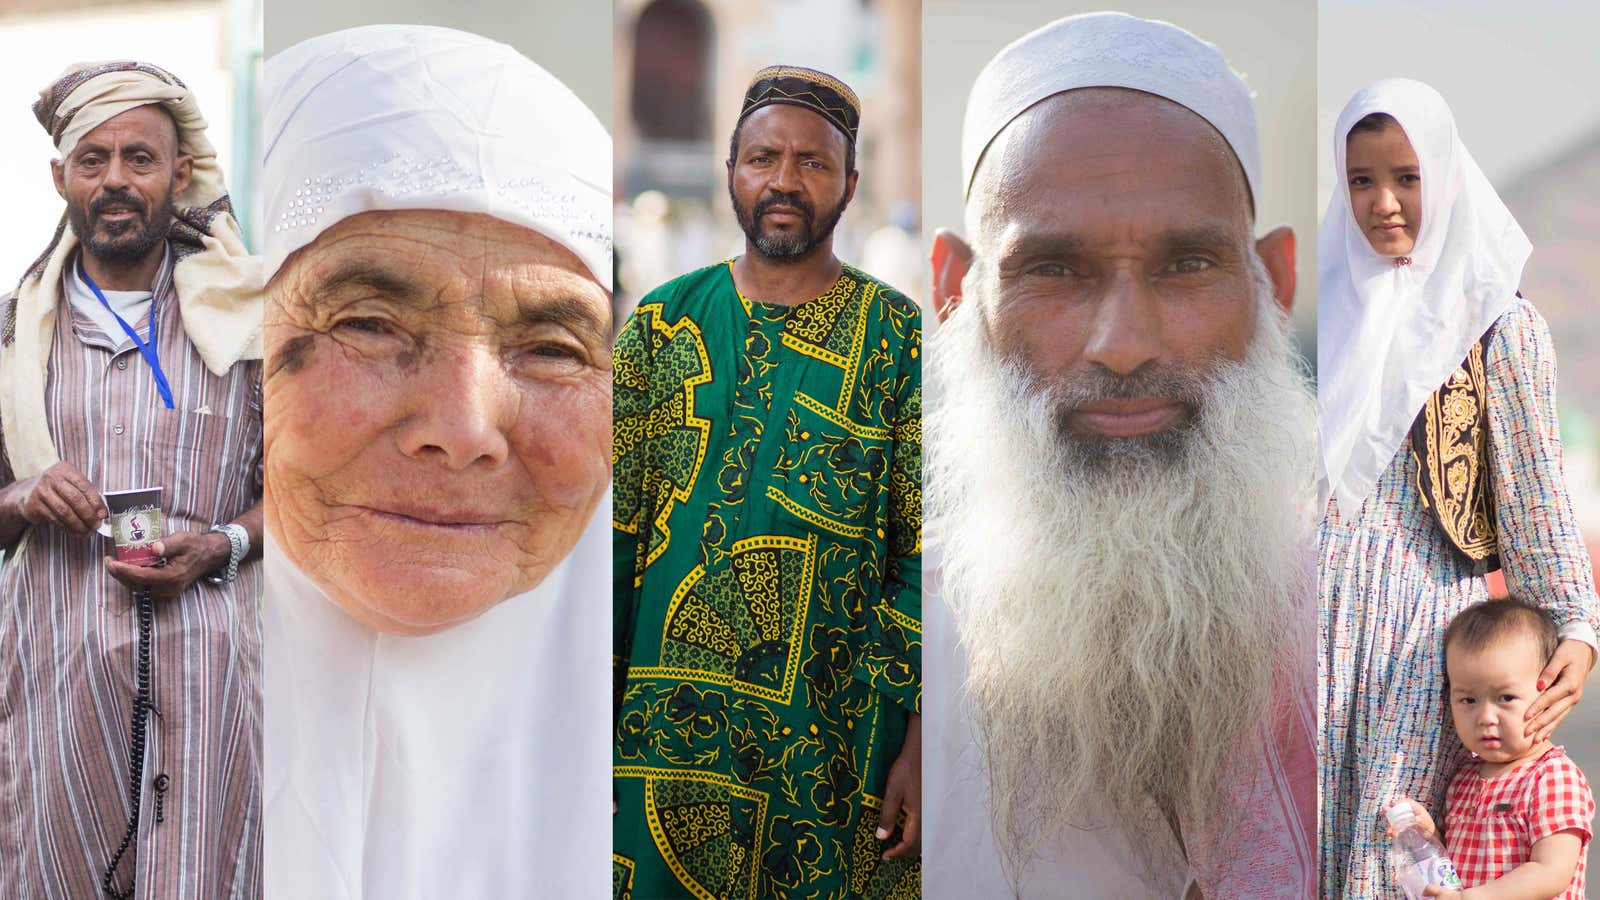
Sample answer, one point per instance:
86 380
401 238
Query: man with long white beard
1119 450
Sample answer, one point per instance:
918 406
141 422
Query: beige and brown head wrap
218 282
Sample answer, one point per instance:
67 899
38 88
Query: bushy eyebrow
567 311
570 313
130 147
368 275
1172 240
1201 237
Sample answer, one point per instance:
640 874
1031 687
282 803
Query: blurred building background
680 69
213 46
1269 42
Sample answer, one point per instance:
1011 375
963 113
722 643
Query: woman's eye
1048 270
1360 181
364 325
554 351
1410 179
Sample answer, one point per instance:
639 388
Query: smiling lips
1130 417
444 521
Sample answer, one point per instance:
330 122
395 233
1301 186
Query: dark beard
125 243
780 247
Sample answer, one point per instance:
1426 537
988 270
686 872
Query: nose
463 405
786 175
1126 331
1386 203
116 174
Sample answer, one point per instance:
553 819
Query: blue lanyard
147 349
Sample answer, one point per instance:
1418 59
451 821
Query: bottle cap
1400 816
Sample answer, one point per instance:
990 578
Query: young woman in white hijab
1439 457
428 735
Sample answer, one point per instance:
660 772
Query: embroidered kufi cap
819 92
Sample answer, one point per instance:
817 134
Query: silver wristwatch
238 549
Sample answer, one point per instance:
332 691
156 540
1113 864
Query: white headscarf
474 762
1111 49
413 117
1389 335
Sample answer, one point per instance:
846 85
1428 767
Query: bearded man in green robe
767 525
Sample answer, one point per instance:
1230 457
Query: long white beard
1124 613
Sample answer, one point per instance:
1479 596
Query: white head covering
1389 335
474 762
1109 49
412 117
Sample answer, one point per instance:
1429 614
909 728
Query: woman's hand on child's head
1560 686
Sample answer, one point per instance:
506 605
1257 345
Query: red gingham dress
1490 826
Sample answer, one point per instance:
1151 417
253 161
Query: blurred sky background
681 69
1269 42
213 47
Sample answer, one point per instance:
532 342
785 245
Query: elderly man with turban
437 434
1119 477
130 708
768 540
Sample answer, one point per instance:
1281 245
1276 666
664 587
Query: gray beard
1125 607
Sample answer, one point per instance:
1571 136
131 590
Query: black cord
136 742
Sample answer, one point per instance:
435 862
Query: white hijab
1389 335
474 762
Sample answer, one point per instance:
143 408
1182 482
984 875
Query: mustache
791 200
111 198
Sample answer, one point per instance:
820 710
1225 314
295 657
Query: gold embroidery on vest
1450 447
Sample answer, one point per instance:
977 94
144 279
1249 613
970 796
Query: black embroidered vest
1450 446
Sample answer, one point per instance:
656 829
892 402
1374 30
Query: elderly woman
438 449
1440 451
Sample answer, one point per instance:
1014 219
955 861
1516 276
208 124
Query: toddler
1517 815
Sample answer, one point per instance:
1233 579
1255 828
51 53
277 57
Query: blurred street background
680 72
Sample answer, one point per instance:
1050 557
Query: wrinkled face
1385 181
438 414
1113 260
119 182
1490 689
788 180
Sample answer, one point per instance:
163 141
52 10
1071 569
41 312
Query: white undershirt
130 305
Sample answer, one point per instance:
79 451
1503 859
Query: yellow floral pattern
767 587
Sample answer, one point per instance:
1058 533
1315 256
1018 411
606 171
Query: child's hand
1424 821
1434 890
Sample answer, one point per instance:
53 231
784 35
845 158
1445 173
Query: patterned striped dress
69 639
1390 583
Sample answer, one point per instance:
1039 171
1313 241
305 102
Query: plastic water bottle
1418 859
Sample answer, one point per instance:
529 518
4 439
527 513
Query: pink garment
1269 849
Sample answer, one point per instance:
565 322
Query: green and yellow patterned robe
767 588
